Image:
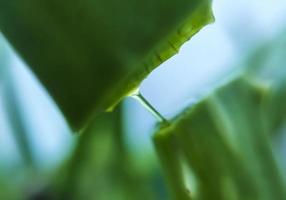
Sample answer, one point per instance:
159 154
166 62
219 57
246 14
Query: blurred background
36 144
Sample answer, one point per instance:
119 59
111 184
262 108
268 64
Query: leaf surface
90 54
225 143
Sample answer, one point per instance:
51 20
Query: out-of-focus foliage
16 117
3 60
92 53
267 66
226 145
219 148
13 109
101 167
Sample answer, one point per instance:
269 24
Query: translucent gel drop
139 97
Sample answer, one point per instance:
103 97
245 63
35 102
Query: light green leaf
225 143
90 54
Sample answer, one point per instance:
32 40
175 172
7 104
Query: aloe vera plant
91 54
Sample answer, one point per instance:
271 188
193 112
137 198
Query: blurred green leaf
13 108
225 143
17 120
169 154
266 65
90 54
101 167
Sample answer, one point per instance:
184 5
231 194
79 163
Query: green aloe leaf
90 54
224 141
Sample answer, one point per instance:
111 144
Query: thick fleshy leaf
90 54
224 141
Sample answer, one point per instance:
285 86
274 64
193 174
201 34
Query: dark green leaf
90 54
